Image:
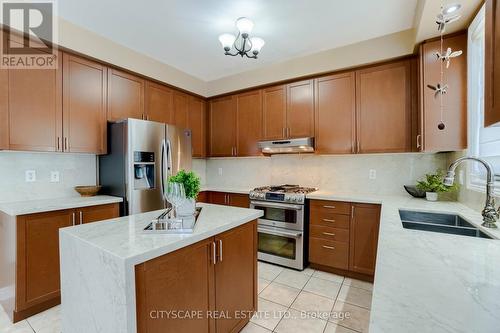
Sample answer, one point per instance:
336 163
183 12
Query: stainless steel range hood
287 146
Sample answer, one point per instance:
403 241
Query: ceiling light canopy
242 44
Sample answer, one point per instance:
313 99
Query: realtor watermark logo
29 41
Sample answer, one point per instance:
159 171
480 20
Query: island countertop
123 237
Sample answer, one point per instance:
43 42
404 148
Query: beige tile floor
289 301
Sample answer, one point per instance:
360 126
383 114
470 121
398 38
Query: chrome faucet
490 215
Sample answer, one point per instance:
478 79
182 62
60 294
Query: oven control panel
278 197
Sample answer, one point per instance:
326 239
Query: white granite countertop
122 237
47 205
428 281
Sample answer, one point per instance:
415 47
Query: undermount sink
436 222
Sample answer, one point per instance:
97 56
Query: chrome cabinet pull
328 234
352 211
358 147
328 247
419 144
73 217
81 217
220 250
330 207
58 143
66 143
214 255
328 220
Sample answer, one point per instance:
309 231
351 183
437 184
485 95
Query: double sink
437 222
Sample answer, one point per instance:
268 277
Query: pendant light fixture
242 44
448 14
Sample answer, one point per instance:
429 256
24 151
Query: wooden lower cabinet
204 197
36 256
229 199
217 277
343 237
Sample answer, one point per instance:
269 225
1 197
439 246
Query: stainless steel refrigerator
141 156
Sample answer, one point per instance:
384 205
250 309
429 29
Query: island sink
437 222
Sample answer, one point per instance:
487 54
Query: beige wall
373 50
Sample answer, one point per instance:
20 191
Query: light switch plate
30 176
54 176
372 174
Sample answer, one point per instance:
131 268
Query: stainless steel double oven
281 233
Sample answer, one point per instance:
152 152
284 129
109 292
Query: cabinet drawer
329 219
329 233
329 253
337 207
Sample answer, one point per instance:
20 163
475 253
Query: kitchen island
115 278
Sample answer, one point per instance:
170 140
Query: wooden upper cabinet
4 108
248 123
300 109
222 127
492 63
454 136
236 276
273 113
125 96
335 114
365 223
37 268
159 103
35 109
197 122
84 105
383 104
181 109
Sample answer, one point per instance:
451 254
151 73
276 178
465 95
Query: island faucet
490 215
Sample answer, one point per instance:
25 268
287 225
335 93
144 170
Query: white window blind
483 142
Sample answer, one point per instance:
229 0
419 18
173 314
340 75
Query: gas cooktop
281 193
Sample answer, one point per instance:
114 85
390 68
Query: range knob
262 196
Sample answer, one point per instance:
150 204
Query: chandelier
242 44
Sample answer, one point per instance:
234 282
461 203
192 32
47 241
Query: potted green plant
433 184
191 183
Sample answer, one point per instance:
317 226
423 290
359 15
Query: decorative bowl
88 191
414 191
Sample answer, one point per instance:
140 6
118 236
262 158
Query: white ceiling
184 33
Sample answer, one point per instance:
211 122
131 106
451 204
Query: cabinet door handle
357 147
58 143
328 234
328 220
214 255
288 132
220 250
73 217
329 207
65 143
419 138
81 217
328 247
352 212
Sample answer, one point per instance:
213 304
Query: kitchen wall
339 173
74 169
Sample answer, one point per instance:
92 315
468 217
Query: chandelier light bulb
257 44
451 8
227 41
245 26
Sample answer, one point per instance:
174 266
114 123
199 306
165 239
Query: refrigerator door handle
162 168
169 158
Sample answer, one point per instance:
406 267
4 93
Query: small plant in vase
432 185
191 183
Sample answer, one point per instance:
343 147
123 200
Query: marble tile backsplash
336 173
74 169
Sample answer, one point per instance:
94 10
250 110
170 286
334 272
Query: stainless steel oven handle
276 205
279 232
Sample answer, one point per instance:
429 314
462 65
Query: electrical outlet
372 174
220 171
30 176
54 176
